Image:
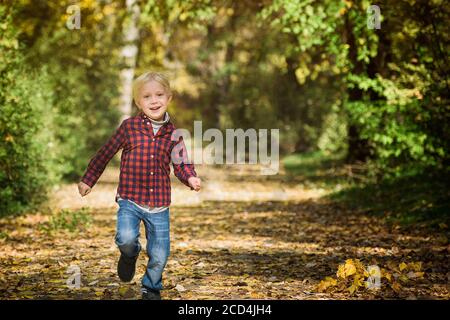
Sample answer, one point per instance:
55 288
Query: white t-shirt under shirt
156 125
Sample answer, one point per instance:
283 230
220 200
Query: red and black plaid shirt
144 166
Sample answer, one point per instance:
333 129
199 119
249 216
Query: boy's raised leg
127 239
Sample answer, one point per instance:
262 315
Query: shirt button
151 156
151 173
151 190
153 139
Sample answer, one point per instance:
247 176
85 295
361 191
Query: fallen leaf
180 288
402 266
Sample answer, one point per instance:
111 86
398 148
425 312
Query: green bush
402 127
333 139
25 167
58 100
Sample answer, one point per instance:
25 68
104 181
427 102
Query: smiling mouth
154 108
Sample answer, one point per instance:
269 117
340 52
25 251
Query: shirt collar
145 117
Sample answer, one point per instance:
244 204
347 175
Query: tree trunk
358 148
129 55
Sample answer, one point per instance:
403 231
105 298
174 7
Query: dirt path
233 240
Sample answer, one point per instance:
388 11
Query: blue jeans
157 226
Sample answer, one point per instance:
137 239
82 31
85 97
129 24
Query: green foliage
394 94
83 80
311 24
333 137
26 171
58 96
72 221
397 124
313 69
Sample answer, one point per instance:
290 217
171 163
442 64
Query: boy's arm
182 169
98 163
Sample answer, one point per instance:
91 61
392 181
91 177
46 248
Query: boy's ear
136 104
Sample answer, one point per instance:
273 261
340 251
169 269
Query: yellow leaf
123 291
358 281
326 283
56 281
342 11
396 287
352 289
402 266
388 276
255 295
403 278
98 293
416 266
347 269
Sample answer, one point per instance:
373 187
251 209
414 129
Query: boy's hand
83 189
194 182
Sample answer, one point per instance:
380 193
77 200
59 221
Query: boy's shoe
150 294
126 268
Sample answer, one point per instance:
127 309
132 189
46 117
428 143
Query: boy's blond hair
148 76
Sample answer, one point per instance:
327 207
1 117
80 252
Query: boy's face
153 100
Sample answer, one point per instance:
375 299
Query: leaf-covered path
243 236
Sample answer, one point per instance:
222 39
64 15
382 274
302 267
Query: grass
70 220
422 199
408 201
317 170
